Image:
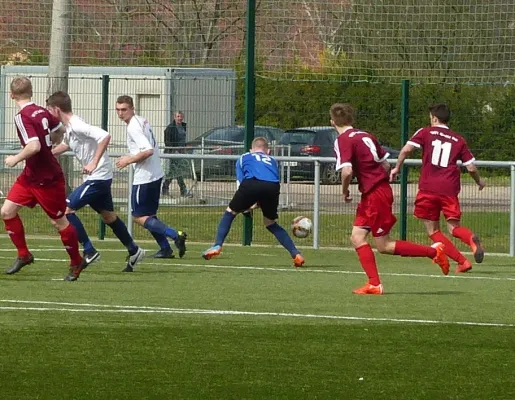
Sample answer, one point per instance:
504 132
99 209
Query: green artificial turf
247 325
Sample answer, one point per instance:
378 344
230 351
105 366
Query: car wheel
329 175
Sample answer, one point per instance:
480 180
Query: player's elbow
386 166
471 168
346 171
107 139
34 146
405 151
146 154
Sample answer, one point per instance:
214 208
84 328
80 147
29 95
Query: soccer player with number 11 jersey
439 183
359 153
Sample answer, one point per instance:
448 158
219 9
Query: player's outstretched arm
123 161
102 146
405 152
474 173
30 149
346 180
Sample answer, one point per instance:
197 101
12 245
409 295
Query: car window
275 133
231 134
325 138
264 132
298 137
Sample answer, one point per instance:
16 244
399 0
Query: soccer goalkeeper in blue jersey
258 177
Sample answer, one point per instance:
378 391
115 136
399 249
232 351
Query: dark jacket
172 138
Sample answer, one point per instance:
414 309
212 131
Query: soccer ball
301 227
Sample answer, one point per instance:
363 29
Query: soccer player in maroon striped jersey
41 181
439 183
359 153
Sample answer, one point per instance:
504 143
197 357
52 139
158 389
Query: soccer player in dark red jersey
41 181
359 153
439 183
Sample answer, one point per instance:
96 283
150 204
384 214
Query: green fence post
250 100
104 124
404 169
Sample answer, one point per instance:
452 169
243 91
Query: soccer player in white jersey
148 174
89 143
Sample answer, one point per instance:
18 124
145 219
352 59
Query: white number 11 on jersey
441 153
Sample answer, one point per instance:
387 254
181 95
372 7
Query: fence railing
489 213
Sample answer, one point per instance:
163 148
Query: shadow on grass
437 293
475 271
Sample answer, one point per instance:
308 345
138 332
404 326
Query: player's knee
69 211
268 222
108 217
452 226
357 240
7 213
382 248
55 224
61 223
231 211
140 220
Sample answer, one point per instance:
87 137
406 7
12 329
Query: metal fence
489 213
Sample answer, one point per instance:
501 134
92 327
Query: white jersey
83 140
141 138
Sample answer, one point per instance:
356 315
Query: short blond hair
260 143
21 88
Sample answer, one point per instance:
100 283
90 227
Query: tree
196 27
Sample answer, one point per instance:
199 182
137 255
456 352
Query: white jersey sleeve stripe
345 164
56 128
471 161
413 144
384 157
19 123
417 132
338 158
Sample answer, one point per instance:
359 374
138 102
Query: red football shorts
374 211
430 205
51 198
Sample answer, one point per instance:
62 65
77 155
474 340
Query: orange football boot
298 261
370 289
464 267
441 258
212 252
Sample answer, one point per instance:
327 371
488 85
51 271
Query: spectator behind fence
175 143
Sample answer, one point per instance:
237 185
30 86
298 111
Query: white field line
226 245
104 308
43 249
294 270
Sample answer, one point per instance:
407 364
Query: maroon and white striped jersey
34 122
442 148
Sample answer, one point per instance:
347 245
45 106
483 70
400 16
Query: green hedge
485 115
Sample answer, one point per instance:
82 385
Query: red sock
71 243
408 249
463 233
16 232
368 263
450 249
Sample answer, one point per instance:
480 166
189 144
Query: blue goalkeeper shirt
257 166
